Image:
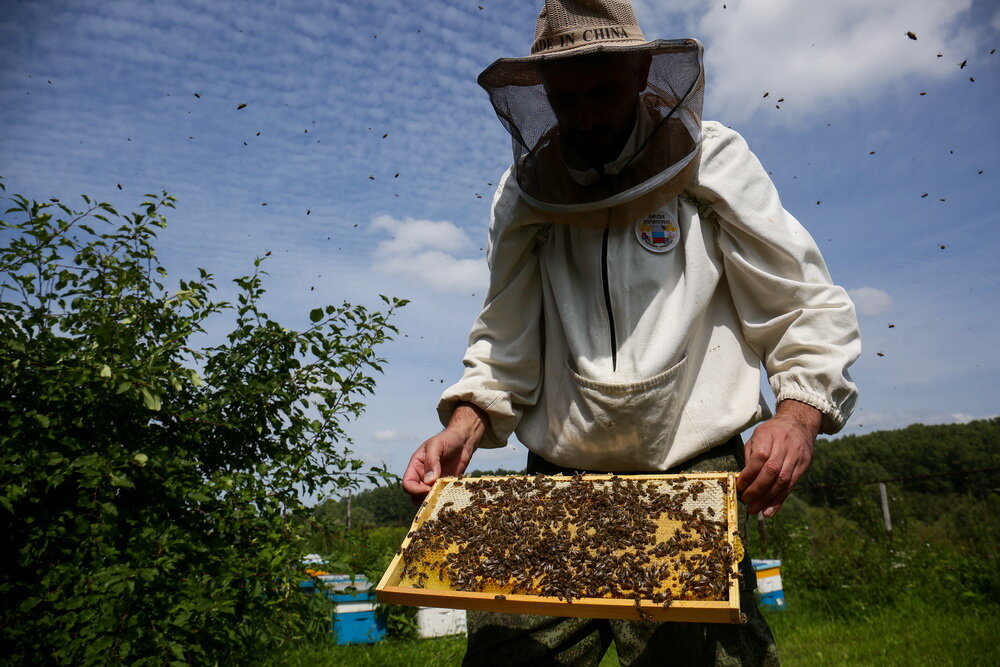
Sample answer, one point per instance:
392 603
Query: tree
148 487
390 505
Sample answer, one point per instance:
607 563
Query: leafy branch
148 485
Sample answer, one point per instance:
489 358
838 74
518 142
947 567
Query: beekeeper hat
658 160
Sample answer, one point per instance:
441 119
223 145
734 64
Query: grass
913 632
441 652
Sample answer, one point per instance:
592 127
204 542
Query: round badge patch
657 233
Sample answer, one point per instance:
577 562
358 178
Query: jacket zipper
607 299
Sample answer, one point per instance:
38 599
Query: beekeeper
642 269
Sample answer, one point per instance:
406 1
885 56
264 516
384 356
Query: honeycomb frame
407 583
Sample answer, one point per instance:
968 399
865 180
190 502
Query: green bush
149 487
840 562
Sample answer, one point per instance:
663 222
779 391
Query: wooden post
348 510
885 509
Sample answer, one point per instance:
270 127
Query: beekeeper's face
595 99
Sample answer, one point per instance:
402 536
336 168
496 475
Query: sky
366 157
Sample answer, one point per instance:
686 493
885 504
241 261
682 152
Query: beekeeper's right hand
446 454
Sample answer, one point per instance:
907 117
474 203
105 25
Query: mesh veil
662 159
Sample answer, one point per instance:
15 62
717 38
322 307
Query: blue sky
345 96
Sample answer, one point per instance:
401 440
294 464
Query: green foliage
386 505
389 505
499 472
912 452
836 556
148 487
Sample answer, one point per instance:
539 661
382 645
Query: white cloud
870 301
820 56
409 235
426 252
390 435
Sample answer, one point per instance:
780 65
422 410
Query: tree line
915 455
841 468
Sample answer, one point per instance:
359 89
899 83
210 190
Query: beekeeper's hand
446 454
777 454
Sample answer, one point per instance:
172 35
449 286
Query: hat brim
525 71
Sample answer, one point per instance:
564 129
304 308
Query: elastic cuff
833 418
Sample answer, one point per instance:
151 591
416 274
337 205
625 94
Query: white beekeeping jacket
601 352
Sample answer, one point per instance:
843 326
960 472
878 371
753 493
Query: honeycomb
652 538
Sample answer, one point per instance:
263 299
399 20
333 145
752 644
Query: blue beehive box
346 587
769 588
357 623
355 619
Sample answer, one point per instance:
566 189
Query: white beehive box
432 622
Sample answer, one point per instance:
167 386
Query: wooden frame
390 591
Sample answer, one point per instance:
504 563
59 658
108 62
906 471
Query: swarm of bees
572 538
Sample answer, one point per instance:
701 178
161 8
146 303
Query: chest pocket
617 426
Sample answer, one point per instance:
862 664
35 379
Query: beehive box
655 547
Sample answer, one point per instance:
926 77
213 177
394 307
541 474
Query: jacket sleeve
802 326
503 361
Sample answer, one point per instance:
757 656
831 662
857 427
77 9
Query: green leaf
105 371
316 314
195 378
121 480
151 400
